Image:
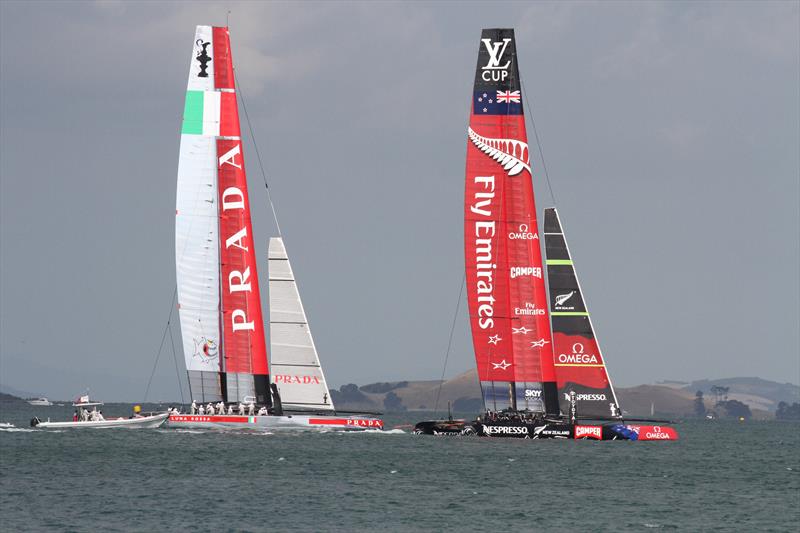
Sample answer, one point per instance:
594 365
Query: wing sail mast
505 285
218 294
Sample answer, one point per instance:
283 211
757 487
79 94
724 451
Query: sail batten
505 284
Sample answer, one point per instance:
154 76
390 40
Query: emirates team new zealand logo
203 57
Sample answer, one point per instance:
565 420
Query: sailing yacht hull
339 423
549 430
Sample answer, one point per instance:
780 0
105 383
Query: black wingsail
580 370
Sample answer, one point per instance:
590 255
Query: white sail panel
201 73
295 367
197 231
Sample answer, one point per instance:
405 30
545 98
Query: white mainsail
295 367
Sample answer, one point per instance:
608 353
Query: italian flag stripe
201 113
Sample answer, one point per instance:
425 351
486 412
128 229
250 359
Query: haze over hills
671 398
665 398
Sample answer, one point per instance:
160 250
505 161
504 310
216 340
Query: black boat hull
545 430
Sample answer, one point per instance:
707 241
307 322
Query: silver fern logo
561 298
510 153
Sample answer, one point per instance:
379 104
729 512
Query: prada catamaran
539 364
219 301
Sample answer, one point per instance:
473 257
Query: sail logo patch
522 234
484 258
502 365
577 357
510 153
493 70
205 349
501 103
586 397
562 298
516 272
529 310
533 393
296 379
202 57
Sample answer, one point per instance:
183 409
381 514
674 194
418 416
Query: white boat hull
346 423
144 422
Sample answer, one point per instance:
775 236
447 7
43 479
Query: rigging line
538 143
161 346
258 153
175 359
450 342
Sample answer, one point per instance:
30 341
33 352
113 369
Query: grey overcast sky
670 132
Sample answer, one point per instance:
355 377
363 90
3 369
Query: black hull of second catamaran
545 430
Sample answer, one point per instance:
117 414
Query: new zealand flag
497 103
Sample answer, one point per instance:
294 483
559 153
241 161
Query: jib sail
296 370
580 368
505 285
218 293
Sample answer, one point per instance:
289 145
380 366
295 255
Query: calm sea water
722 476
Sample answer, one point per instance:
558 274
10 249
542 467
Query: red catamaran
536 382
218 292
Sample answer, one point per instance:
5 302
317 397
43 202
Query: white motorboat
141 422
39 402
94 419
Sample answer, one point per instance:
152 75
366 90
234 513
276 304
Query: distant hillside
19 393
669 398
756 392
9 398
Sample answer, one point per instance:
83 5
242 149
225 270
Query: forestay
295 364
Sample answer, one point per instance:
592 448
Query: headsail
505 285
218 294
580 367
295 364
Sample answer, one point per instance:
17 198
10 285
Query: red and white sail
218 294
505 277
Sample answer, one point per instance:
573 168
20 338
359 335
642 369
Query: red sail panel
243 325
244 343
505 284
223 68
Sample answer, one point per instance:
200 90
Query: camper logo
202 57
205 348
589 432
493 70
